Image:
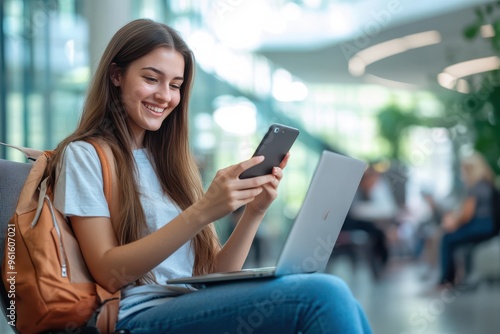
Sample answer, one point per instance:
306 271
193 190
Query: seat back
12 178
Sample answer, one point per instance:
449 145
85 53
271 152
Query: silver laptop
313 235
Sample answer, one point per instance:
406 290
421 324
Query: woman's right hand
227 192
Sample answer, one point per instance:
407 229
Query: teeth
155 109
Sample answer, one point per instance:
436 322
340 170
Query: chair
357 245
466 252
12 178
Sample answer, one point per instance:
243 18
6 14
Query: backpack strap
107 314
108 173
30 153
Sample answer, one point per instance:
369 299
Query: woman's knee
328 288
330 304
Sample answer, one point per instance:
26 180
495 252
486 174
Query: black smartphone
274 146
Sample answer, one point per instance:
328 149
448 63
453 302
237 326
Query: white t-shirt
79 192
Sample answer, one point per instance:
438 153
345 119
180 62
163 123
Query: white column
104 18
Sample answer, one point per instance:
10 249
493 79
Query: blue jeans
305 303
475 231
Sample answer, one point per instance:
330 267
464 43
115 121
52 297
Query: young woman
473 222
138 105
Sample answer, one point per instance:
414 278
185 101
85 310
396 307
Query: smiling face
150 89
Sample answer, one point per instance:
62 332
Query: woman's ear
115 74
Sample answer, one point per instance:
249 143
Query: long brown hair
105 117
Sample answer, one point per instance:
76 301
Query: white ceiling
322 60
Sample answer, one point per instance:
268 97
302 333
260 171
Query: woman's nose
163 95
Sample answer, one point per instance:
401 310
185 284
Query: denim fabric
471 232
306 303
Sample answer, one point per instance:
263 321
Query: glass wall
50 48
45 71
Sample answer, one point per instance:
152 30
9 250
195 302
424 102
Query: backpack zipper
43 196
64 271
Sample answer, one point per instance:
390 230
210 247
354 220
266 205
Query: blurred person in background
374 208
472 222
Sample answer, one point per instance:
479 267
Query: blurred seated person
372 208
473 221
429 234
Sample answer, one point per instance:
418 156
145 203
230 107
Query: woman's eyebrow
157 71
153 69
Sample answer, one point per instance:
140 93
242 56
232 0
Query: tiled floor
404 303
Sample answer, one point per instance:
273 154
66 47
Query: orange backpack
43 271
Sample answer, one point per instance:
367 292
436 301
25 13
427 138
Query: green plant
481 107
393 120
485 15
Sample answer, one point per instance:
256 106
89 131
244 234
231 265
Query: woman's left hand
270 190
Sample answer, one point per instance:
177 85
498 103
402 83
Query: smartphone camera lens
276 130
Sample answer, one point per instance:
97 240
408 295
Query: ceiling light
446 80
451 77
474 66
462 86
450 82
487 31
372 54
357 66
